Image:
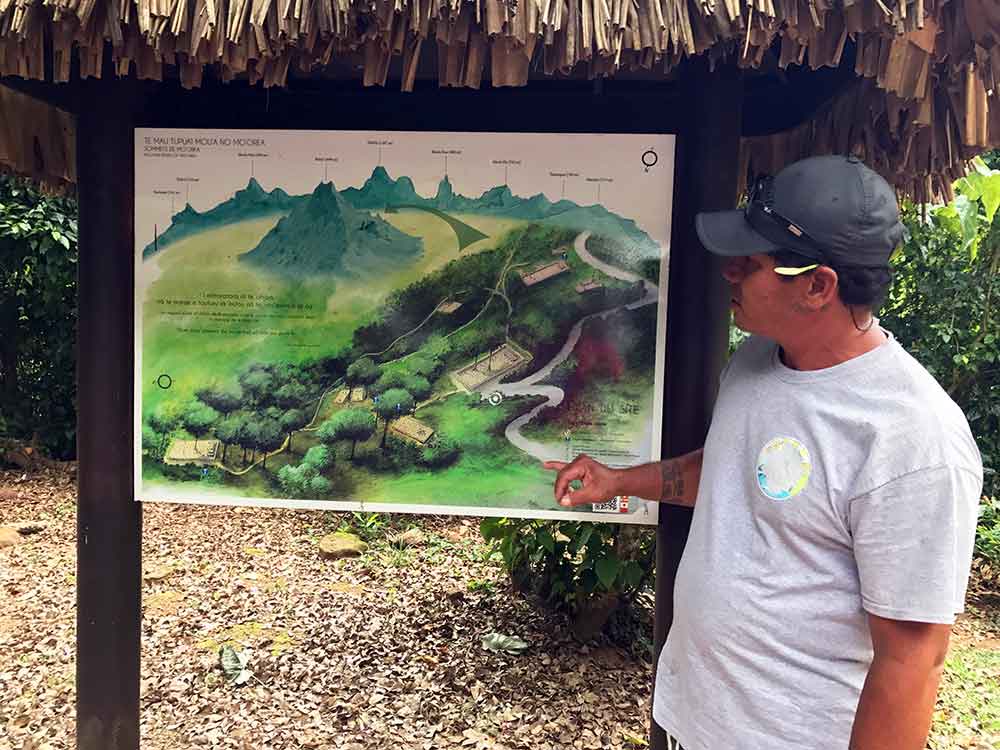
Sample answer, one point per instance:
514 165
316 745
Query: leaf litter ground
381 651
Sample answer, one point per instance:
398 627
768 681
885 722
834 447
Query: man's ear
822 289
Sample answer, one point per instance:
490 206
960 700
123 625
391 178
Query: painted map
397 321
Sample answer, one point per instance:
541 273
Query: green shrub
38 255
988 534
569 564
943 307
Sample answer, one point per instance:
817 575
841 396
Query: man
835 498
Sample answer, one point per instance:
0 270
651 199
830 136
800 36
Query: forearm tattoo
672 487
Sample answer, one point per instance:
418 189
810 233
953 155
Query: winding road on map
554 394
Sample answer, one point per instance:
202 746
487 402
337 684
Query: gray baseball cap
832 209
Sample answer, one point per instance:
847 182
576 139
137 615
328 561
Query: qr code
614 505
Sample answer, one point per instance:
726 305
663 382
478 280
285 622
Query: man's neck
817 350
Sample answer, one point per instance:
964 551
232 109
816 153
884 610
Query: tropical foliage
38 253
944 309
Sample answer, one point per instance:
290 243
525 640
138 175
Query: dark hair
856 285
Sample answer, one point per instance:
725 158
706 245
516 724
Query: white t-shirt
824 495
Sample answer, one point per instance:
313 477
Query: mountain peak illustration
380 191
380 175
253 188
251 202
445 194
351 240
185 214
324 235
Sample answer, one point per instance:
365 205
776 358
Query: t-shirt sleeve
913 540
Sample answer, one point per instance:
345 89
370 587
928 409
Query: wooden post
705 179
109 522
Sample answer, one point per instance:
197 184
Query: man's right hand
599 482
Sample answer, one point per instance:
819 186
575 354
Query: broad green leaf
500 643
607 570
968 216
491 528
546 540
982 185
632 574
586 530
990 195
233 665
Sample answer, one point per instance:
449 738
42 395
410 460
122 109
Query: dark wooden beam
109 522
541 106
705 179
781 100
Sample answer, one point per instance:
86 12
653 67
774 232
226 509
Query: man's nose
732 271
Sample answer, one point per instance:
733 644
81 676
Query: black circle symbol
164 381
649 158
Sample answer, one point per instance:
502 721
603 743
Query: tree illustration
258 385
198 420
292 420
269 437
394 403
319 457
362 372
246 438
225 401
418 386
163 421
305 480
291 395
228 431
349 424
387 380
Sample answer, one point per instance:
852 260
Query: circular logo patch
783 468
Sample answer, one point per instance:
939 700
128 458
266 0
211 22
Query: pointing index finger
567 474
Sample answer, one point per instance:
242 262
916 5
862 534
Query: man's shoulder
914 423
917 390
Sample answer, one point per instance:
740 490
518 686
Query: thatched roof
925 104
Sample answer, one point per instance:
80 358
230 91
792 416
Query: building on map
412 429
193 452
490 367
447 308
358 394
544 272
588 286
342 396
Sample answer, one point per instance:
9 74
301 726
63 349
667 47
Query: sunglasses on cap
760 215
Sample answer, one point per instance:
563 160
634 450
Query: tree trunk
385 432
354 444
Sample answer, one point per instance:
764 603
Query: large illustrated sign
397 321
